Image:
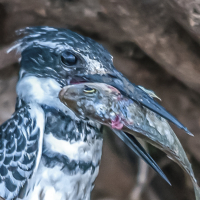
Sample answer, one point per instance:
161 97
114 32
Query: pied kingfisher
46 151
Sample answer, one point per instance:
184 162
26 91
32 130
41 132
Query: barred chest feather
71 149
70 159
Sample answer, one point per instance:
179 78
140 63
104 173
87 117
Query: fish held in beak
134 92
98 101
106 105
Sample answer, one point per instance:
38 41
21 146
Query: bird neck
72 147
70 159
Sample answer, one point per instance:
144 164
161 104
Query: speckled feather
19 152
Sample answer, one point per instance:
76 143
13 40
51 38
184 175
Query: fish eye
68 58
89 90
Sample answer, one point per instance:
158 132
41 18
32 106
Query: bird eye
89 90
68 58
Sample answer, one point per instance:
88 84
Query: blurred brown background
155 43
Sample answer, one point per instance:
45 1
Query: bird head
62 55
53 58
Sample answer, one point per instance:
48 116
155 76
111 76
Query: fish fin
149 92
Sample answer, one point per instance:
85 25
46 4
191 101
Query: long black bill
132 91
136 147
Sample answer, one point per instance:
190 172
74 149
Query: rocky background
155 43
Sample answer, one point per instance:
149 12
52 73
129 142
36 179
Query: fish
106 105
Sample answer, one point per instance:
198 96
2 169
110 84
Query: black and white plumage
46 151
21 149
71 149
